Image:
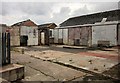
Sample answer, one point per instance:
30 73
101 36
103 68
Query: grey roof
113 15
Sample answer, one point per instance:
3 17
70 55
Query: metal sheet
84 35
77 33
71 36
65 36
60 34
77 36
104 33
55 35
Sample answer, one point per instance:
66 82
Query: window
34 33
50 33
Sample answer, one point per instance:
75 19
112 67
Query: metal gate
4 48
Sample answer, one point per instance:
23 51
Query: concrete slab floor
77 60
36 69
38 54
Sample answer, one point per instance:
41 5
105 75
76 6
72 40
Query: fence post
8 48
3 48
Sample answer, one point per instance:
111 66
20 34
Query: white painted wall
104 33
29 31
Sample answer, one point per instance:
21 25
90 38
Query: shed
90 30
28 32
45 33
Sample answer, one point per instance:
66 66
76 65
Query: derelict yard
84 48
60 63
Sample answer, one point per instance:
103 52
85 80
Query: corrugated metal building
90 30
28 32
73 35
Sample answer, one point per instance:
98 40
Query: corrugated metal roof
113 15
25 23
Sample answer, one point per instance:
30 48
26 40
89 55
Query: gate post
8 48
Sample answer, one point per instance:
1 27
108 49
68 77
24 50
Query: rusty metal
80 36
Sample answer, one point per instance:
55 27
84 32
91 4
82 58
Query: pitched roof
47 25
113 15
25 23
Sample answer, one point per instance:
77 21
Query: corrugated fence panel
77 33
104 33
77 36
84 36
71 36
55 35
65 36
60 34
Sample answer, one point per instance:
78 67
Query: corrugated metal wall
71 36
65 36
104 33
79 35
85 35
31 32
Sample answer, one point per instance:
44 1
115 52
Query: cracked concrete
45 62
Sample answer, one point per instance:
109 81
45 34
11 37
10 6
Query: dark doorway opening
23 40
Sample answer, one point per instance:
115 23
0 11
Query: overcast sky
46 12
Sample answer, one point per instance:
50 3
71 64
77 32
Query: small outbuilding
45 33
27 31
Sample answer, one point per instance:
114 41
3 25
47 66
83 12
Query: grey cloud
41 12
98 7
26 7
62 15
104 6
81 11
